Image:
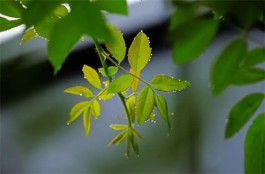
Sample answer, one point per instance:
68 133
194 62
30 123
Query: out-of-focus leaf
227 65
136 133
28 35
192 39
119 7
60 11
135 83
80 90
118 126
120 84
87 121
144 104
255 57
63 38
242 112
134 145
92 76
139 52
105 95
248 76
116 46
161 105
255 146
95 108
165 83
6 24
11 8
77 110
130 103
112 70
152 117
117 138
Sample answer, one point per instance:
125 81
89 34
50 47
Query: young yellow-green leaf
28 35
80 90
120 84
227 65
161 105
105 95
95 109
6 24
144 104
117 138
136 133
130 103
163 82
118 126
92 76
248 76
255 57
116 46
242 112
122 139
139 52
87 121
77 110
135 83
255 146
112 70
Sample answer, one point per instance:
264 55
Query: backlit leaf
80 90
120 84
6 24
255 146
139 52
255 57
112 70
87 121
135 83
118 126
227 65
28 35
116 46
77 110
192 39
117 138
92 76
165 83
248 76
130 103
161 105
119 7
105 95
95 108
242 112
144 105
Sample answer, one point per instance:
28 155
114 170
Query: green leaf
255 57
105 95
95 109
242 112
120 84
92 76
136 133
161 105
135 83
116 46
139 52
119 7
134 145
165 83
255 146
77 110
130 103
63 38
112 70
11 8
80 90
144 104
227 65
118 138
28 35
192 39
87 121
248 76
6 24
118 126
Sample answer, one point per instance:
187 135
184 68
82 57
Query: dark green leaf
139 52
227 65
87 121
255 57
144 104
255 146
63 38
92 76
11 8
112 70
119 7
95 108
116 46
118 126
6 24
248 76
80 90
242 112
120 84
165 83
77 110
161 105
28 35
193 38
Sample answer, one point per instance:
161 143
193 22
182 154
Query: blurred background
34 109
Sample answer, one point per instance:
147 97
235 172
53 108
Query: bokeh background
34 109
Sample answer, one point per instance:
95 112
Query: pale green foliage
92 76
80 90
120 84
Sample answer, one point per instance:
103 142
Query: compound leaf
80 90
120 84
92 76
77 110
